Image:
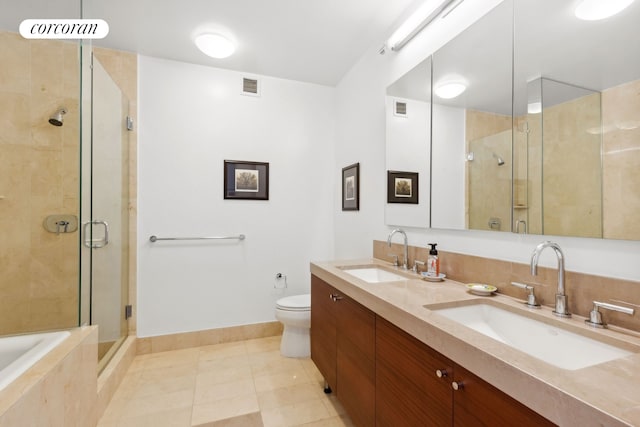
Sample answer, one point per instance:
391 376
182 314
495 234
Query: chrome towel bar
238 237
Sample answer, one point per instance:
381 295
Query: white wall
360 138
191 119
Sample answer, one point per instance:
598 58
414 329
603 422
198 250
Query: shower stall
65 205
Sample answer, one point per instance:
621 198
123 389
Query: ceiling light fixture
534 107
594 10
215 45
418 21
449 89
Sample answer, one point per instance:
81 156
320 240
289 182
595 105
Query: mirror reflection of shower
56 118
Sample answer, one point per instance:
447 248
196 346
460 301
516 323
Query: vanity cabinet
384 376
343 349
408 393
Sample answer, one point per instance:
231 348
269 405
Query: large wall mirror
576 121
408 124
472 118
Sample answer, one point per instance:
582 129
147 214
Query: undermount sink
373 274
537 338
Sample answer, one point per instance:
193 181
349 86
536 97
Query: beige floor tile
169 372
330 422
238 361
223 375
211 392
249 420
157 403
334 406
223 409
168 359
221 351
282 379
273 363
289 395
162 385
296 414
173 418
259 345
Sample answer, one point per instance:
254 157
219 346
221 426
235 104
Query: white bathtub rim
19 366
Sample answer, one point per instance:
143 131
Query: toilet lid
295 303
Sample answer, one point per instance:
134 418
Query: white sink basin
373 274
554 345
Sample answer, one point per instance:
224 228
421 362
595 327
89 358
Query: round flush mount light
594 10
449 90
534 107
215 45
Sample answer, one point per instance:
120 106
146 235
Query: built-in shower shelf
520 207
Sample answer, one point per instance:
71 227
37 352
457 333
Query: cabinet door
323 330
478 403
356 360
408 391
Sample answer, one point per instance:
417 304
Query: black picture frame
351 187
245 180
402 187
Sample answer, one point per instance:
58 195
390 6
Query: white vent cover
250 86
400 109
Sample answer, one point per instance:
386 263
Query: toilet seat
295 303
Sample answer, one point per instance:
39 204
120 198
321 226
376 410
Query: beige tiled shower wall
572 189
40 169
621 161
488 189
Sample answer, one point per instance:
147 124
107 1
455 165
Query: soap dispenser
433 262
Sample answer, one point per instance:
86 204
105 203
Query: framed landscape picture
246 180
402 187
351 187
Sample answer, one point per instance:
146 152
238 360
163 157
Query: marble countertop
607 394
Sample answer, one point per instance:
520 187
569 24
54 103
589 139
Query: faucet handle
595 317
395 259
416 263
531 298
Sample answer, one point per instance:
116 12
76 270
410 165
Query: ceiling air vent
400 109
250 87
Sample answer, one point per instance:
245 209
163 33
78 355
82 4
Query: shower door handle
96 243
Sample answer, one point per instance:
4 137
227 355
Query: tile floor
245 383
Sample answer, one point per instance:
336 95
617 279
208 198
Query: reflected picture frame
246 180
351 187
402 187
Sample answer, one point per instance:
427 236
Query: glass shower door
106 222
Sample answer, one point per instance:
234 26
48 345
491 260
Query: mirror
472 130
576 122
408 138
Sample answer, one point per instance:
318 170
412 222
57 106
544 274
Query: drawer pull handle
457 385
335 297
441 373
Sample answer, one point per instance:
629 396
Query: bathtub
18 353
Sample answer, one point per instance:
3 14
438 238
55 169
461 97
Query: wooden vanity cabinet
384 376
343 349
478 403
408 391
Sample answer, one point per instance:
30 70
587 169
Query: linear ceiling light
418 21
594 10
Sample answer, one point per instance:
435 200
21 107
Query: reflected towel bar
156 238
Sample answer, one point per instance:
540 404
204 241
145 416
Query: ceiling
312 41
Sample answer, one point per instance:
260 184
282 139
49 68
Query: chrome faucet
406 245
561 299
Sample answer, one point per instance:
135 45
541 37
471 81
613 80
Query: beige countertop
607 394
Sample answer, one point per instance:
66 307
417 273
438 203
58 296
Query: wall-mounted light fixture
422 17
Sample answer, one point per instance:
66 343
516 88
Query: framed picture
402 187
351 187
246 180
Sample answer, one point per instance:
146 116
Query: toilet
295 314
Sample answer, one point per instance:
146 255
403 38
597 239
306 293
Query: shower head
56 118
499 159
